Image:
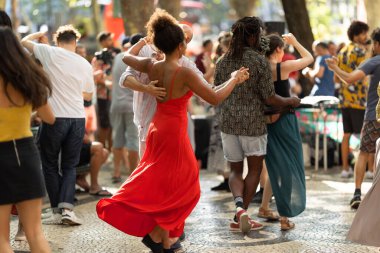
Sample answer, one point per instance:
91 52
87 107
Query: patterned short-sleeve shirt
353 95
242 113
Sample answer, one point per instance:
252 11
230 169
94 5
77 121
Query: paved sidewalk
321 228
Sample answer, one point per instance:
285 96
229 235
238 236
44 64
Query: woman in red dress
161 193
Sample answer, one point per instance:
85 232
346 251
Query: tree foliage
95 16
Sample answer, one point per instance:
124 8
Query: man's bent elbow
270 100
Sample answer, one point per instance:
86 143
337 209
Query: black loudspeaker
275 27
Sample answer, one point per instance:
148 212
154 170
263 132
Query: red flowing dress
164 188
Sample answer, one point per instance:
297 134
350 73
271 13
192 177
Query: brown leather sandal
268 214
286 224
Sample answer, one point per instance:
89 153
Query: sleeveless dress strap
172 83
278 70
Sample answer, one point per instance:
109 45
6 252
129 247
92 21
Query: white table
318 104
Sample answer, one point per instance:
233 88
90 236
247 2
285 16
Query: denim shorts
236 147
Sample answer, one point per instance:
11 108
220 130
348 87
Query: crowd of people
135 104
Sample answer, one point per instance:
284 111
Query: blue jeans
65 137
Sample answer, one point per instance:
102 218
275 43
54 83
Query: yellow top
353 95
15 123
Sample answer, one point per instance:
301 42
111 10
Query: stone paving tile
321 228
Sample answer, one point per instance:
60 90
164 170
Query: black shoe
223 186
155 247
258 198
182 237
355 201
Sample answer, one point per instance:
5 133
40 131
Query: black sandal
116 180
176 246
155 247
182 237
169 250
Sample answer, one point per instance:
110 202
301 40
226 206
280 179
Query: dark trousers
60 146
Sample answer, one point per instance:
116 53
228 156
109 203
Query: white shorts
237 147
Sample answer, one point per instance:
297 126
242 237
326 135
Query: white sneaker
369 175
54 219
47 214
20 235
69 218
347 173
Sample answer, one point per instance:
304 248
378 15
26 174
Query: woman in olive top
24 87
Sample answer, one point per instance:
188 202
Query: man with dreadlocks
243 126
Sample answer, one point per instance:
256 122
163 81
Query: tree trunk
15 21
50 18
95 16
2 4
136 14
372 8
298 21
243 8
297 18
171 6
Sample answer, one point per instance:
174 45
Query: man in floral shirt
353 95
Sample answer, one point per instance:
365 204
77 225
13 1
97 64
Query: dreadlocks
246 33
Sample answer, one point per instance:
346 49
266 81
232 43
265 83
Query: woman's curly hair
163 30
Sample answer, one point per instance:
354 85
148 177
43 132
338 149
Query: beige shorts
237 147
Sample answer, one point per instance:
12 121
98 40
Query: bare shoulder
187 72
290 66
286 65
155 70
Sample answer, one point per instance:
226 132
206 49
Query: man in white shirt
145 93
72 81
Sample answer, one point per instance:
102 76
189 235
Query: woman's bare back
171 78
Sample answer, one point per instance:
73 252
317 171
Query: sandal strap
268 212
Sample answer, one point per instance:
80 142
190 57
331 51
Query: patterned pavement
321 228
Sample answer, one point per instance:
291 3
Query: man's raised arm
28 41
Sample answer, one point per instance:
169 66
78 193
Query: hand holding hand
332 63
157 92
289 39
240 75
295 102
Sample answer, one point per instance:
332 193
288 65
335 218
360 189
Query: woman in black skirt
24 88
